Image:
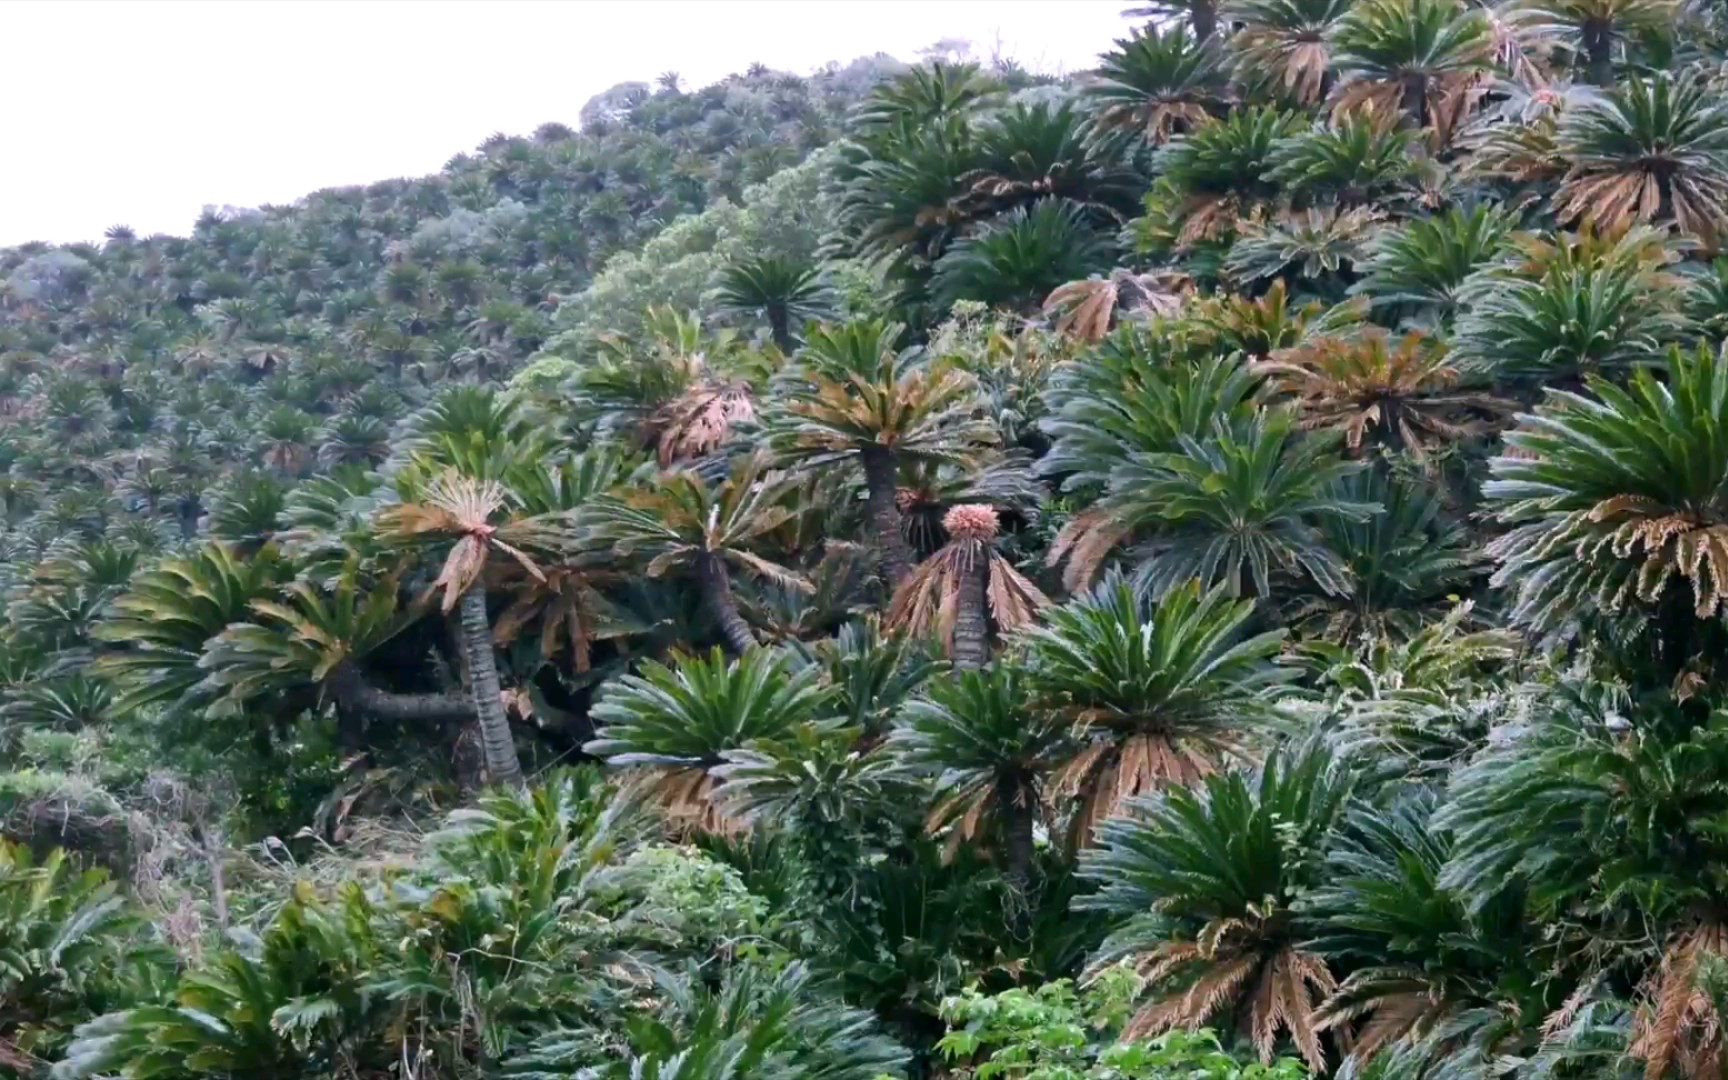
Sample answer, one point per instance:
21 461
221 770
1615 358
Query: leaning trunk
971 644
1017 809
1599 51
495 740
359 698
717 594
881 477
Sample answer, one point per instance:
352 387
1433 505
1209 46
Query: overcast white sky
143 112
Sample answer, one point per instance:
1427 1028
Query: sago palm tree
991 754
1616 508
668 387
565 606
1650 150
1401 395
680 524
1420 266
1156 84
1216 174
1260 327
1160 691
1570 307
309 648
873 673
1319 246
1284 46
1032 152
1407 54
675 723
1595 25
1356 159
856 396
467 520
167 617
1017 259
785 291
1588 795
1430 975
819 779
958 591
1410 563
1207 879
1237 505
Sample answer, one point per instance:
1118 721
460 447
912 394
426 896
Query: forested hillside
1212 566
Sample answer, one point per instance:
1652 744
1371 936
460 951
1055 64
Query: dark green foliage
1388 745
1019 259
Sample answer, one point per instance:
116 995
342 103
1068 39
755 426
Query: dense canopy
1214 565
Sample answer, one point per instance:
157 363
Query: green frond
162 624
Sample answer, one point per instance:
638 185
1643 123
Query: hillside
1216 566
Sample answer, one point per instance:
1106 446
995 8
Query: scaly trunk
499 747
1017 810
1204 15
780 327
717 594
971 645
355 696
187 513
1416 99
882 479
1599 51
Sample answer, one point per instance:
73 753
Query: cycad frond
675 723
1652 150
1160 690
1207 877
170 614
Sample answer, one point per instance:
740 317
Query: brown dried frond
1207 217
566 602
1298 61
1672 542
1014 601
1109 772
1362 382
1615 198
688 797
1272 987
964 812
1679 1025
926 603
1086 541
460 507
1088 308
699 420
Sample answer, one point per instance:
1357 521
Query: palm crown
1161 691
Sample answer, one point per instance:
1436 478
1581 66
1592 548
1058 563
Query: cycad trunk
971 645
360 698
1599 51
882 479
717 594
1416 99
780 327
500 748
1204 15
1018 809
